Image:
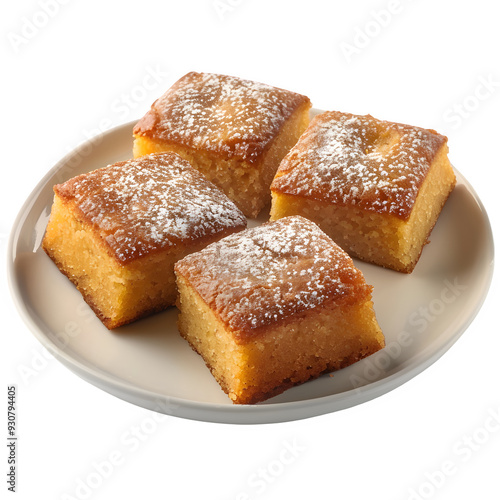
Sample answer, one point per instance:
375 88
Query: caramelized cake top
225 115
361 161
154 202
267 274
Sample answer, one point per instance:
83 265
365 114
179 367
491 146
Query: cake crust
228 116
130 205
360 161
259 277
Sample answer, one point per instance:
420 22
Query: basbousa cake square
116 232
275 306
375 187
234 131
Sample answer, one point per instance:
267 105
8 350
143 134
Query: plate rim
215 412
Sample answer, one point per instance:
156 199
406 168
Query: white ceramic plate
147 363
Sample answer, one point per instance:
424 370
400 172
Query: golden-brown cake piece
274 306
116 232
234 131
375 187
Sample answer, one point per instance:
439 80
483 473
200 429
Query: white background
72 68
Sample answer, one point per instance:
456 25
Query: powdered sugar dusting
268 273
151 203
221 114
358 160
